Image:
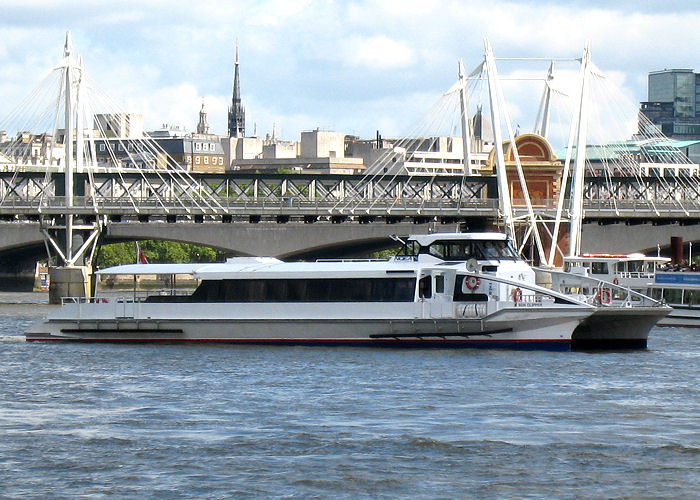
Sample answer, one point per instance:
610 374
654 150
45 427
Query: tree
157 251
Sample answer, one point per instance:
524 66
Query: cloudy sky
351 66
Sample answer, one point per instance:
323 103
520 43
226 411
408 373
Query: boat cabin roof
428 239
187 268
607 257
261 267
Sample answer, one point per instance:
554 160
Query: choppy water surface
184 421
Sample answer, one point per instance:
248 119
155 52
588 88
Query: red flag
140 256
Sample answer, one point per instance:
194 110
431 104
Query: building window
221 160
197 146
102 147
196 160
206 160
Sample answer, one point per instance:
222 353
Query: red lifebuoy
604 296
517 295
472 282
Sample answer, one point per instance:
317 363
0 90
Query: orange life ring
517 295
604 296
472 282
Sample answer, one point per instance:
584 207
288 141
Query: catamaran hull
541 329
617 328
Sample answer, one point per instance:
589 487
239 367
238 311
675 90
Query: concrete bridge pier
68 281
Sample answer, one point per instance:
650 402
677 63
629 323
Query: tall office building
674 103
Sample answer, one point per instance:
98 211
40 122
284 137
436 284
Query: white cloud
355 64
377 52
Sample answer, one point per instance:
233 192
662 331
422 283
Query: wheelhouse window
599 268
465 250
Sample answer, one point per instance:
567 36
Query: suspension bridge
72 202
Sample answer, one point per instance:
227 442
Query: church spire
236 112
203 125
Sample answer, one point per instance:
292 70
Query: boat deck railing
598 292
124 297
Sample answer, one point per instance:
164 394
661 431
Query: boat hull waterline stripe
526 344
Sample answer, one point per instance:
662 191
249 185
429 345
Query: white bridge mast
466 128
578 133
496 95
73 82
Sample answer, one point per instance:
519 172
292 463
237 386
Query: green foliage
157 251
384 254
115 254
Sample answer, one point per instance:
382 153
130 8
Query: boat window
673 296
145 284
424 288
307 290
470 297
439 283
472 249
635 266
599 268
691 297
656 294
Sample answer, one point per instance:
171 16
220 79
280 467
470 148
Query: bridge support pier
68 281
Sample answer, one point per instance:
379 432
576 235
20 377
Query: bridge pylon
79 237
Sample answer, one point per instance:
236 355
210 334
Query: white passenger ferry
451 290
653 276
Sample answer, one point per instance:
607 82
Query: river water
220 421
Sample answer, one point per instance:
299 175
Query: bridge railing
283 205
298 206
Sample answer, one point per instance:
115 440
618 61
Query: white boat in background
681 291
677 286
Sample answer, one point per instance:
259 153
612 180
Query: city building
435 155
192 153
673 104
31 150
318 151
128 125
